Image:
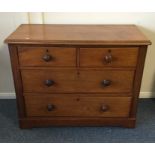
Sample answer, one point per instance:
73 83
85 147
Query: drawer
108 57
69 81
47 56
73 105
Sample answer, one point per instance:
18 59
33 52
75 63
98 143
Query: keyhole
109 51
47 50
78 99
78 73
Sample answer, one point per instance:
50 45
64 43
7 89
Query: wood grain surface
78 34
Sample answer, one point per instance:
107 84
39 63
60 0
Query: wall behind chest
9 22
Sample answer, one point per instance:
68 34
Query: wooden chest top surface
77 35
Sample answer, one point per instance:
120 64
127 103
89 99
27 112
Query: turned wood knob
108 57
106 83
50 107
49 83
47 57
104 108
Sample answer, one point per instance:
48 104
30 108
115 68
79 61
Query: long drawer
73 81
74 105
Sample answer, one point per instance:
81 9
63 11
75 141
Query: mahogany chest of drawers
77 75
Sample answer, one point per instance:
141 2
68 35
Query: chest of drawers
77 75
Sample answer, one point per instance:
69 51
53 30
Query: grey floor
144 132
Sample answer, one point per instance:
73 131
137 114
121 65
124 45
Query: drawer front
47 56
86 81
72 105
108 57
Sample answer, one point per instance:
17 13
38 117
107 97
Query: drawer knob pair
49 83
106 83
50 107
104 108
47 57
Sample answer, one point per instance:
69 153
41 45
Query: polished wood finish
31 122
108 57
72 81
78 35
137 80
77 75
17 80
47 56
77 106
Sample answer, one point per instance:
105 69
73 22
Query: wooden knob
50 107
108 57
47 57
49 83
104 108
106 83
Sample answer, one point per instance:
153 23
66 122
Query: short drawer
70 80
73 105
47 56
108 57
